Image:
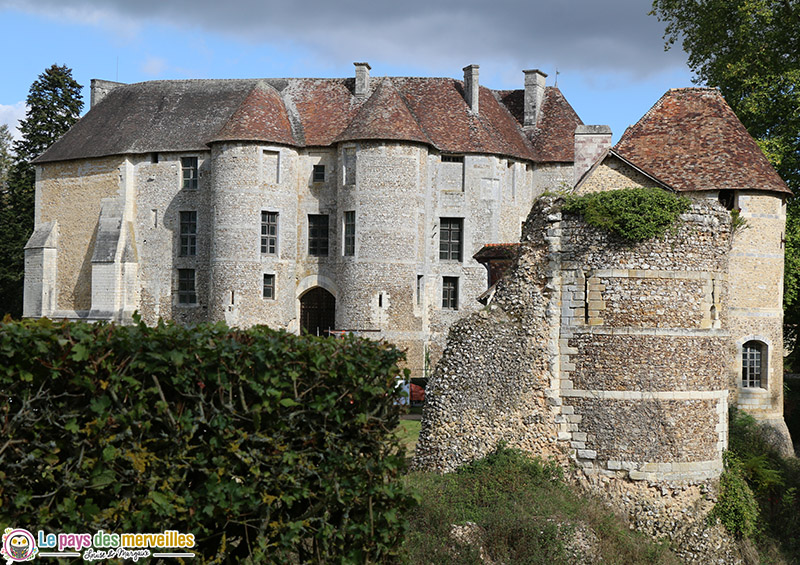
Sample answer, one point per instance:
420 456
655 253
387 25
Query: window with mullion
189 172
450 293
188 247
186 287
751 364
451 237
269 233
318 235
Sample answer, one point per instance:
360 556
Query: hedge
265 445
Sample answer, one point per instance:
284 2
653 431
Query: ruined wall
493 382
625 367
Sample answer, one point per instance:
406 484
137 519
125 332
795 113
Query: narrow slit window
350 233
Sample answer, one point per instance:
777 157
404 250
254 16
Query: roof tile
691 140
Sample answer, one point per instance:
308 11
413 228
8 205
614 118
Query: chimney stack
534 95
590 143
471 87
362 79
100 88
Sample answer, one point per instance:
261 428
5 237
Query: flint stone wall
608 353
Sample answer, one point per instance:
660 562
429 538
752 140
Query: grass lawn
408 434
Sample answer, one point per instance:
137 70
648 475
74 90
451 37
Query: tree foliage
54 105
750 50
5 158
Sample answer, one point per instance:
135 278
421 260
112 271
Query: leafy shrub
265 445
634 214
736 506
774 480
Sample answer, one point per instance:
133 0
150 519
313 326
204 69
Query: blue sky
610 58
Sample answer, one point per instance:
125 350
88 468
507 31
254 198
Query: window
452 158
754 364
189 172
349 161
188 246
319 173
186 291
269 233
350 233
450 239
318 235
450 293
420 289
269 286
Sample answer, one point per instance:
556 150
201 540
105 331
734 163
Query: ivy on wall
634 214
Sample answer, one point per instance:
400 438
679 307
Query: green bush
265 445
775 482
634 214
736 505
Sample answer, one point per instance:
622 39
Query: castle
306 204
359 204
627 356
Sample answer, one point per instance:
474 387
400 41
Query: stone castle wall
391 286
608 376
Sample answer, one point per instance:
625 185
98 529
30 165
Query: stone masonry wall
627 346
70 193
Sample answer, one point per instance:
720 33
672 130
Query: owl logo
18 545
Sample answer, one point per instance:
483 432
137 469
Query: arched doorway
317 311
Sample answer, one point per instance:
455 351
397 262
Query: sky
606 57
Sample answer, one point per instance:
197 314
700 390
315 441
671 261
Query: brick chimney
590 143
362 79
100 88
471 87
534 96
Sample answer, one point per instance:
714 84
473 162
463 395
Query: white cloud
11 114
582 35
154 66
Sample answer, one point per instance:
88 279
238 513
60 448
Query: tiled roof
187 115
261 116
553 138
691 140
384 116
497 251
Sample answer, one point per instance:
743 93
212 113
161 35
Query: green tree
54 105
5 157
750 50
